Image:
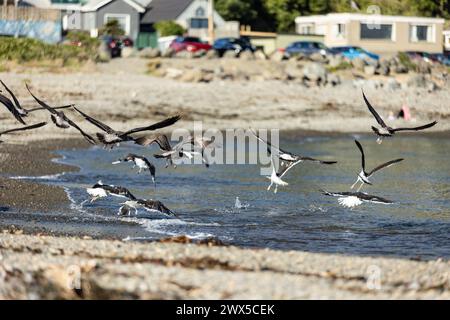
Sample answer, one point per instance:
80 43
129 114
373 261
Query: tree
169 28
285 12
247 12
112 28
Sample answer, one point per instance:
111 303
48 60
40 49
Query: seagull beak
116 162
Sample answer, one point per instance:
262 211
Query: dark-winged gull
111 137
60 119
353 199
364 176
385 130
141 162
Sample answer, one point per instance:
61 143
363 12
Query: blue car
352 52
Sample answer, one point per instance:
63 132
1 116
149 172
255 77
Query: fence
29 14
35 23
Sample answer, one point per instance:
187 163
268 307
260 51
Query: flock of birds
190 147
347 198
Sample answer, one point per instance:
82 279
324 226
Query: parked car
352 52
442 58
191 44
113 44
306 47
237 45
427 57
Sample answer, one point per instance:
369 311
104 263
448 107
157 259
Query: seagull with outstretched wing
60 119
16 108
364 176
288 156
385 130
110 137
353 199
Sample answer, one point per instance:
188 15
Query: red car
191 44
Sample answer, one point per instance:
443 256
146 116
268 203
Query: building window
376 31
200 12
198 23
306 29
123 19
421 33
339 30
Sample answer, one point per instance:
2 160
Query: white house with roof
378 33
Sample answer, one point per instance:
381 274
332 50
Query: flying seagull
16 108
100 190
287 156
152 206
176 152
141 162
385 130
364 176
112 137
353 199
60 119
33 126
276 177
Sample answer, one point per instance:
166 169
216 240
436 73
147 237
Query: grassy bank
32 51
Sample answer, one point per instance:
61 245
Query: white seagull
354 199
141 162
364 176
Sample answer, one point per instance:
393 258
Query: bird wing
95 122
317 160
160 139
33 126
42 103
374 112
384 165
9 105
363 158
269 145
55 108
16 102
162 124
429 125
85 135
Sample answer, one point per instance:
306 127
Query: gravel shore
49 267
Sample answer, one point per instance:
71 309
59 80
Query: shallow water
298 217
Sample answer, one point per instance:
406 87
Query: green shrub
342 66
26 50
112 28
169 28
404 59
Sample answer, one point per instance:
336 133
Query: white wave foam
45 177
158 226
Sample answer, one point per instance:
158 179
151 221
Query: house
190 14
377 33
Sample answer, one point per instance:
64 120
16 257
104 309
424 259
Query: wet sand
33 159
